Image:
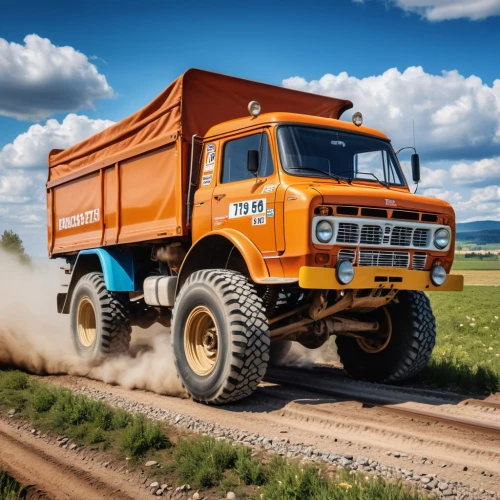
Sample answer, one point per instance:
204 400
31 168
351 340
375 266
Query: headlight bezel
324 241
436 237
349 269
438 275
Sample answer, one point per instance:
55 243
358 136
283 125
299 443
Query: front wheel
400 349
100 325
220 336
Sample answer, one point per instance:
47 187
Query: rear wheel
100 326
402 346
220 336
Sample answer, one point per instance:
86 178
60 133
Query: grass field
467 352
460 263
475 264
472 246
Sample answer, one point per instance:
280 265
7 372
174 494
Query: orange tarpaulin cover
192 104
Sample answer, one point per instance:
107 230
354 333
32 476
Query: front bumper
377 277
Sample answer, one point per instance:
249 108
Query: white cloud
440 10
31 149
23 174
482 171
38 79
487 194
455 116
449 196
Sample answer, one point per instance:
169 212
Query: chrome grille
348 233
371 235
346 255
401 236
420 237
419 260
375 258
387 235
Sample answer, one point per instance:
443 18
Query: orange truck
245 231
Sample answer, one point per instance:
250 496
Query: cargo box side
134 199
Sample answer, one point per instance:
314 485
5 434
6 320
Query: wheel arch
117 266
225 249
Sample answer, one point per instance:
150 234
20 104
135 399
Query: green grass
207 462
296 482
475 265
82 420
488 262
10 489
467 352
201 461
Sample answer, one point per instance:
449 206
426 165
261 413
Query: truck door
244 200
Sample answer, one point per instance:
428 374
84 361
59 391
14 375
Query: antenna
414 144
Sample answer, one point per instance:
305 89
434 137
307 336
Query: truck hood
377 196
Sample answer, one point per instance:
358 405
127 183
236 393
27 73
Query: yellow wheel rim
201 342
86 322
381 338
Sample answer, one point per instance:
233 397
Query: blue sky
138 48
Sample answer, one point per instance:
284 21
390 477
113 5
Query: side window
235 158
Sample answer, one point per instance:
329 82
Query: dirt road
50 472
399 427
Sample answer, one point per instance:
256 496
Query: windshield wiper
312 169
350 179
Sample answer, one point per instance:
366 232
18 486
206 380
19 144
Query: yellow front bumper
378 277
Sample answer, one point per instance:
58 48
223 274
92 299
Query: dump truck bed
129 183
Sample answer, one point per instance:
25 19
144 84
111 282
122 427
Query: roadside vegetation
202 461
11 243
10 489
467 352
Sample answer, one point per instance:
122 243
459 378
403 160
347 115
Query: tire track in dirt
49 472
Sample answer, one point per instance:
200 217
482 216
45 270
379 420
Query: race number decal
244 208
258 221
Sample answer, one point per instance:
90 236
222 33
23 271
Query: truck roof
192 104
280 117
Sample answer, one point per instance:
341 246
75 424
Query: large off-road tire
401 354
100 325
220 336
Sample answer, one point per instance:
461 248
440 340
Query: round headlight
442 238
324 231
357 119
254 108
345 272
438 275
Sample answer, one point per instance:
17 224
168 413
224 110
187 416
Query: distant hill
479 225
479 232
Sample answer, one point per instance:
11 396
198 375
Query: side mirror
415 167
253 161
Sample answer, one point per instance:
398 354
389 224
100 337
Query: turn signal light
322 258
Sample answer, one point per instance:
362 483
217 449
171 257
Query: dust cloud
302 357
34 337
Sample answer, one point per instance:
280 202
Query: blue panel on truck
117 267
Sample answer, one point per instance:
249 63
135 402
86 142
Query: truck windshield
319 152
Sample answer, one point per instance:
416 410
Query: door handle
219 197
